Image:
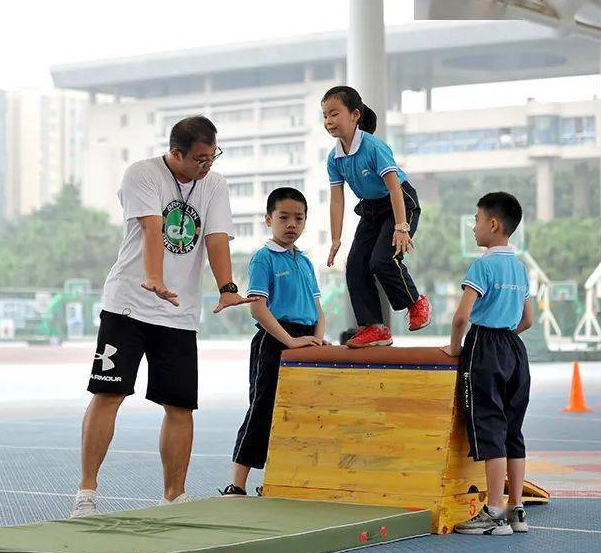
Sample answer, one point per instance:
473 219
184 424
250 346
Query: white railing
588 329
551 329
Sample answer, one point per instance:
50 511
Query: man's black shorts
171 356
495 385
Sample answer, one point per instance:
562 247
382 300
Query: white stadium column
366 58
545 196
366 72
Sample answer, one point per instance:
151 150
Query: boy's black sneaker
232 490
259 491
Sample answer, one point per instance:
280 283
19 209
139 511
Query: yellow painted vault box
379 426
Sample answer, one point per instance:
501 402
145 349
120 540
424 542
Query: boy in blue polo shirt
494 364
288 315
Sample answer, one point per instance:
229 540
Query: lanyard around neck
181 195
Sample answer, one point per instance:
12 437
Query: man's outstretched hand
229 299
161 291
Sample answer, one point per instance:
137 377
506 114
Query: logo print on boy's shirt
513 287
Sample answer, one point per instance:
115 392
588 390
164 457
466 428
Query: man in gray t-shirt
176 212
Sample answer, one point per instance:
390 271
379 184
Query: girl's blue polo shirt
364 167
287 280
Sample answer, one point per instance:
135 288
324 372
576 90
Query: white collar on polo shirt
499 249
355 143
275 247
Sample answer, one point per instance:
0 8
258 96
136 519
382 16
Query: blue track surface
39 470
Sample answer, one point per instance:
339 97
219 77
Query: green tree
566 249
61 240
437 256
460 195
564 193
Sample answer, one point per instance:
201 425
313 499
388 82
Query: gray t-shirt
148 188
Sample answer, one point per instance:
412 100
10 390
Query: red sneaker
419 313
371 336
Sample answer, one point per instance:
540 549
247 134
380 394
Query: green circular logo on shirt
180 238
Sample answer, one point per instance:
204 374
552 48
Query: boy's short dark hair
284 193
503 206
190 130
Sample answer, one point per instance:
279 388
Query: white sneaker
183 498
85 504
516 516
485 523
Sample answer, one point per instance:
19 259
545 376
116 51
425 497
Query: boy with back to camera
495 377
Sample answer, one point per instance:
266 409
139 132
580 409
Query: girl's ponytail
368 120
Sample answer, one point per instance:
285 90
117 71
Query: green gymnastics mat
222 525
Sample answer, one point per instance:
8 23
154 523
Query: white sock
512 507
495 512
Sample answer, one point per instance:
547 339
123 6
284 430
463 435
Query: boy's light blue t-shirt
502 284
287 280
364 167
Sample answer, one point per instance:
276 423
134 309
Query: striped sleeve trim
472 285
317 294
388 169
258 293
332 183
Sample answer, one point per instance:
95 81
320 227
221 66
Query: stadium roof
421 54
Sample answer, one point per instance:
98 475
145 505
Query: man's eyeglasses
209 159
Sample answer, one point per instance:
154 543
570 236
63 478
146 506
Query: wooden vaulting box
380 426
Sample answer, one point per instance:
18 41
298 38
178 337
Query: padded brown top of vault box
341 355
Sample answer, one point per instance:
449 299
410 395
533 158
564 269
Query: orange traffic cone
576 404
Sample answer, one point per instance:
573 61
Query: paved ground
39 449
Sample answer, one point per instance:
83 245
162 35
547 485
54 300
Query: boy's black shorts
252 441
495 386
171 356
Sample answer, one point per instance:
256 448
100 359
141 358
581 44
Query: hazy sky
35 34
